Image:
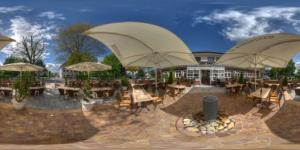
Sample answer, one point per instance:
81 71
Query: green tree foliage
73 43
13 59
289 70
77 57
141 73
171 77
22 85
117 69
241 78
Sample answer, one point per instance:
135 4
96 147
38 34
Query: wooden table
176 86
261 93
68 90
272 84
99 91
7 91
140 97
233 86
176 89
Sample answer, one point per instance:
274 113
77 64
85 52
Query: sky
204 25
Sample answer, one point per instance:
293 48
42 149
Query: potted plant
171 78
241 79
124 82
21 89
285 83
87 103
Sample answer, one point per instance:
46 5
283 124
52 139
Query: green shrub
241 78
22 86
87 91
171 78
124 81
285 81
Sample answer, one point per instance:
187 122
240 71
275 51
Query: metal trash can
210 107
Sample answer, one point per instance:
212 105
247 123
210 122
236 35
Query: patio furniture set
6 89
139 95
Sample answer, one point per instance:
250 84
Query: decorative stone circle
197 124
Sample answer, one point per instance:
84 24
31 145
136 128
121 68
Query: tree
241 78
31 49
13 59
289 70
72 41
77 57
141 73
117 69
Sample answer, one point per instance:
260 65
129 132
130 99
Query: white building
206 72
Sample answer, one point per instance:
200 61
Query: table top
270 84
69 88
6 88
102 89
140 95
253 83
31 88
138 84
261 93
36 87
233 85
176 86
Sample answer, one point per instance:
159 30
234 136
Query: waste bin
210 108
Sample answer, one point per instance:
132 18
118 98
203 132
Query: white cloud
21 27
52 15
241 24
6 10
53 67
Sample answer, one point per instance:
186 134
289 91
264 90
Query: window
210 60
198 59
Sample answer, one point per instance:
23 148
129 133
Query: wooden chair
275 97
125 101
157 100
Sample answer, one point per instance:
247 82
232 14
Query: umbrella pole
255 78
255 72
156 92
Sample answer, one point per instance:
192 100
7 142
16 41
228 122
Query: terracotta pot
87 106
18 105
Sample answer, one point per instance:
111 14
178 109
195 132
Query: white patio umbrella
21 67
143 45
89 66
272 50
4 41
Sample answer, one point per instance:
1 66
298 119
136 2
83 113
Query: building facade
207 72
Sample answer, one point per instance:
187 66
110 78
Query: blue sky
202 24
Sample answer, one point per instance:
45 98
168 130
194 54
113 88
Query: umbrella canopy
273 50
4 41
21 67
89 66
143 45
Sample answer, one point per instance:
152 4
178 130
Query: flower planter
87 106
18 105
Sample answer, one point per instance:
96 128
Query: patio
108 127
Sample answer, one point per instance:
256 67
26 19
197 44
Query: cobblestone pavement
107 127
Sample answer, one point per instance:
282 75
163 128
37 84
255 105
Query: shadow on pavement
191 102
43 126
286 122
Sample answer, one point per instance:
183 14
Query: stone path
107 127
